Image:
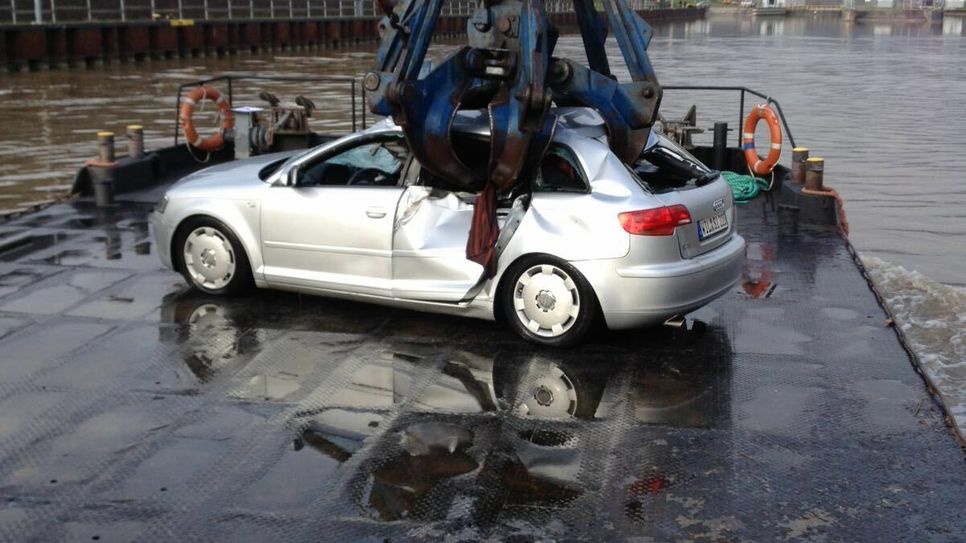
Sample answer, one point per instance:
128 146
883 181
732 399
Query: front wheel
547 301
211 258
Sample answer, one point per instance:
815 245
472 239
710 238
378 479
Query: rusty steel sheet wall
79 44
135 409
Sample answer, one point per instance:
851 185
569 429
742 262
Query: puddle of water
91 443
14 280
57 297
78 223
547 438
372 386
296 479
221 423
113 359
541 476
31 350
887 407
402 487
15 249
70 257
338 433
766 334
780 410
115 248
176 464
135 300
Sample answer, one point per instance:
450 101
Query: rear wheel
211 258
547 301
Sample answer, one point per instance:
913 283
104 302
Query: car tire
547 301
210 257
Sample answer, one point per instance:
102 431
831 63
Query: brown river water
884 104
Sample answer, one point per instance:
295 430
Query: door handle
375 212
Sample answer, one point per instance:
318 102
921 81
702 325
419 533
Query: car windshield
351 139
368 156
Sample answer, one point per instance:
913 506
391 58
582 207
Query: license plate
712 225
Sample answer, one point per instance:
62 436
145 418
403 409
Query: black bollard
720 146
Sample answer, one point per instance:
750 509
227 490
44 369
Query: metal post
271 8
251 9
13 10
154 8
365 103
799 156
135 141
720 146
105 146
741 114
123 15
353 92
206 9
180 10
229 10
53 11
308 8
177 114
38 12
814 173
291 13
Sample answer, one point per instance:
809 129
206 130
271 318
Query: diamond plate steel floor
133 409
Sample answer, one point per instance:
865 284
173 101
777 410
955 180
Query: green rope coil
745 187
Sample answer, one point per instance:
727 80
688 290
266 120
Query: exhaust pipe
677 321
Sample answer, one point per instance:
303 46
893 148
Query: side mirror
292 176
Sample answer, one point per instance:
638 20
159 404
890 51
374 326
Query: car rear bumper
634 296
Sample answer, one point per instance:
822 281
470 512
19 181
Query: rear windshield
667 166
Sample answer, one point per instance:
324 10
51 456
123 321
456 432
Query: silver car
586 238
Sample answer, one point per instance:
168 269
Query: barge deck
135 409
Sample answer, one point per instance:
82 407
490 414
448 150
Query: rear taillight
659 221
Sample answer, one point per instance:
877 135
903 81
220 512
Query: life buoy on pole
759 165
195 97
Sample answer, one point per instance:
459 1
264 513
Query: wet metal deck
133 409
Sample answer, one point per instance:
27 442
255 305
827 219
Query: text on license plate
712 225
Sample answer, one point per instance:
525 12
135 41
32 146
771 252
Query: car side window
372 163
560 172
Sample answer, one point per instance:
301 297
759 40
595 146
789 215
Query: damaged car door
429 243
328 223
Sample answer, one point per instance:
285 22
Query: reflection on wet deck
135 409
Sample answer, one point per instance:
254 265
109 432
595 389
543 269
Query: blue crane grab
508 68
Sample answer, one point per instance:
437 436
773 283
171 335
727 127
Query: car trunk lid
712 216
677 177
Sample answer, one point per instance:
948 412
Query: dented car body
586 238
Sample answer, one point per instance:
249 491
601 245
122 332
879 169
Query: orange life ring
761 166
196 96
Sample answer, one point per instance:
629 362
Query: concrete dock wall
34 46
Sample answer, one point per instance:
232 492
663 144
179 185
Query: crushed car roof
584 121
